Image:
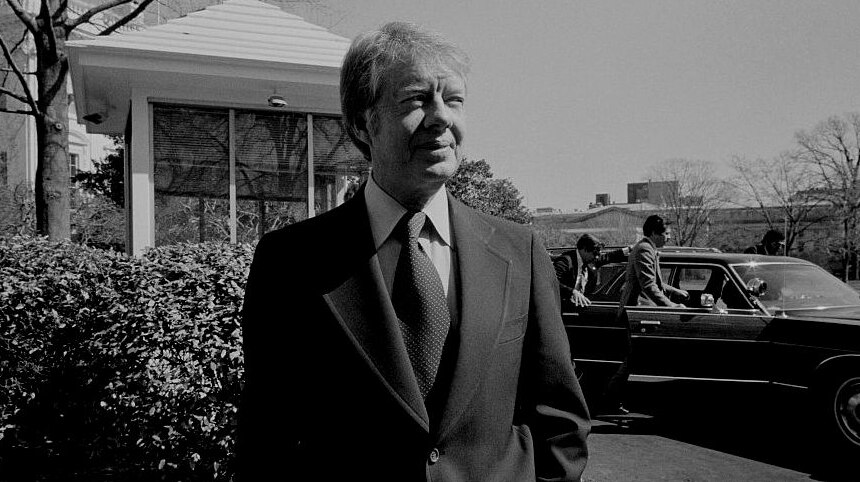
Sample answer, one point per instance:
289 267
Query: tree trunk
52 139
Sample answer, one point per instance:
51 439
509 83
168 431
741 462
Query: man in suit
772 244
572 270
404 336
643 285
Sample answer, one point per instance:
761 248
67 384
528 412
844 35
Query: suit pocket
513 329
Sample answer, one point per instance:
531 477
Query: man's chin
439 166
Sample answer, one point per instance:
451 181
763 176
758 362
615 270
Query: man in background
572 270
643 285
772 244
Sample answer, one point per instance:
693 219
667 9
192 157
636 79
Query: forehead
411 73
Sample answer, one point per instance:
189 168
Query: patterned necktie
420 303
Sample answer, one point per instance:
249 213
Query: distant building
602 199
652 192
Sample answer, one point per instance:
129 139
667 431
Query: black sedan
749 319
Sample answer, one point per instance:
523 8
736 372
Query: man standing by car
772 244
643 285
572 270
430 345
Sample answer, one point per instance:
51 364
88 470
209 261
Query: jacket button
434 456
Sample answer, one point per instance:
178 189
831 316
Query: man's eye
415 99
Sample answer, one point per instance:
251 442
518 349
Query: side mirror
707 300
757 287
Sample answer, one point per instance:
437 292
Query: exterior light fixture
276 100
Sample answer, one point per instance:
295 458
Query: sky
572 98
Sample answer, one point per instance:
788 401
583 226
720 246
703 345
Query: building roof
236 30
238 46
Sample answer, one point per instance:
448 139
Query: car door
598 339
695 341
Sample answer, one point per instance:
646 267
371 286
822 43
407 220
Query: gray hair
373 54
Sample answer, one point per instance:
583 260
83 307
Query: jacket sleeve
644 260
556 409
563 268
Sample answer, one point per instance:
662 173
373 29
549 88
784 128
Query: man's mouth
434 145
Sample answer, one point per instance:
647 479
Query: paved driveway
714 433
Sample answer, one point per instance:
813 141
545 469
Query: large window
233 175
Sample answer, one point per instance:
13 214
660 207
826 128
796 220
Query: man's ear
362 128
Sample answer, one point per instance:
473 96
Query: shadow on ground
767 424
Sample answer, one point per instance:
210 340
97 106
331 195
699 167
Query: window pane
185 219
190 150
271 171
255 218
339 167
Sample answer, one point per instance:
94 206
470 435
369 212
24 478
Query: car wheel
846 409
840 399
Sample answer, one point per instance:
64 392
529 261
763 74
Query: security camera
277 101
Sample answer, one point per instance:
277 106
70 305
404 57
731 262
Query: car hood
843 313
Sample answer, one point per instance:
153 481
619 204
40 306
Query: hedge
119 368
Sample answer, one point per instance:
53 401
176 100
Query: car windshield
798 286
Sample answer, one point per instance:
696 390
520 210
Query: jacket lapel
482 306
362 306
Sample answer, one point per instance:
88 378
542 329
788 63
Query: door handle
648 325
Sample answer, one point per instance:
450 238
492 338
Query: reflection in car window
699 280
792 286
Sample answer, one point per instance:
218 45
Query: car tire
838 404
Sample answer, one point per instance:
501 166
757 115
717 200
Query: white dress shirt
581 275
384 212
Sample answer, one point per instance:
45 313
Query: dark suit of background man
572 270
643 285
334 387
772 243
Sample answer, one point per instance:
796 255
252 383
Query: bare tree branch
121 22
61 9
14 95
26 17
45 14
86 16
18 111
26 88
4 69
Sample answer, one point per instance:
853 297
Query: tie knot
411 225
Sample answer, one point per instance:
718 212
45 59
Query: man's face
589 255
416 130
774 247
660 240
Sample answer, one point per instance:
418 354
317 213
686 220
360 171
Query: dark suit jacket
757 249
566 270
329 392
643 284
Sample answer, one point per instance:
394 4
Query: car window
693 278
713 280
666 273
798 286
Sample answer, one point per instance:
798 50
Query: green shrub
119 368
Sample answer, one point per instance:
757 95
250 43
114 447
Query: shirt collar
385 212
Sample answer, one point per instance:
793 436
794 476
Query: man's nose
438 114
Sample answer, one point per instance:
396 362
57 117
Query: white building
231 119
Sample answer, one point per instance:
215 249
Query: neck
411 200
